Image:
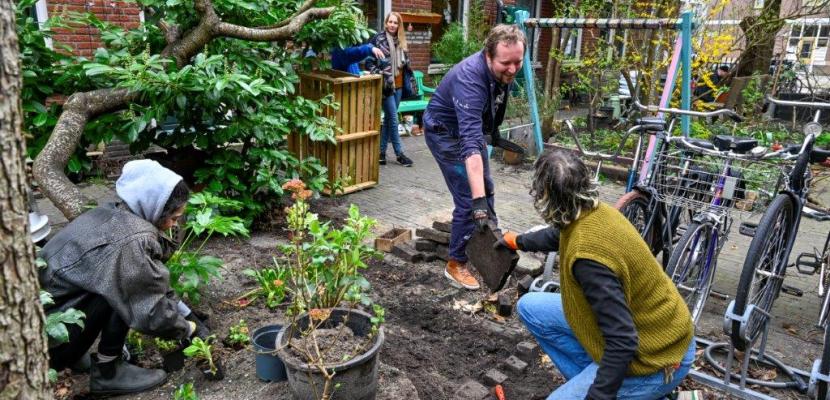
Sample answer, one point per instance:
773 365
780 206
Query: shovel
494 265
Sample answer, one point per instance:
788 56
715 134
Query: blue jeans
544 317
389 131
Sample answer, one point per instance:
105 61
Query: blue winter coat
468 104
347 59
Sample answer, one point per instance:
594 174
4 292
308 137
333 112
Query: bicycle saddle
701 143
652 123
736 144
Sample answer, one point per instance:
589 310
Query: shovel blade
494 265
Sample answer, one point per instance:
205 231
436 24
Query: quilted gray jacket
112 252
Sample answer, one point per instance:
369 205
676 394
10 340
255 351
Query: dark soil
335 345
435 342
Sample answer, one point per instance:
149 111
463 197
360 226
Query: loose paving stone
471 390
405 251
434 235
494 377
527 351
514 364
443 252
529 266
505 307
524 284
425 245
443 226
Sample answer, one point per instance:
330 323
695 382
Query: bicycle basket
695 181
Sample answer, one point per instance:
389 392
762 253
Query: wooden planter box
389 239
353 159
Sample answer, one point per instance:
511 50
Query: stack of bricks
432 244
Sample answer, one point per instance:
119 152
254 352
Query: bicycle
820 264
728 168
765 265
656 223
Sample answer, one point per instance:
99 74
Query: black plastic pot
173 361
356 379
269 367
211 376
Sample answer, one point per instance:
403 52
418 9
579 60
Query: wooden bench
419 104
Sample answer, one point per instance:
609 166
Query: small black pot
173 361
220 371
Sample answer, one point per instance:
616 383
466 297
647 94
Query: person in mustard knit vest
619 329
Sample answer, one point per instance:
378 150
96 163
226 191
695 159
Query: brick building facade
84 39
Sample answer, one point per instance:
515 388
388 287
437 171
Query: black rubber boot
120 377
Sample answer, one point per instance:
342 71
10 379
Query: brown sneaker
460 276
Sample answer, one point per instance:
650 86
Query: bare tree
23 357
83 107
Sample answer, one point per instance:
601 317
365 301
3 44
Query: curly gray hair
562 188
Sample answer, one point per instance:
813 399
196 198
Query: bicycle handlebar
723 111
806 104
787 153
599 154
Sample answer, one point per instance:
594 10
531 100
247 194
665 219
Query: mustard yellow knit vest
662 319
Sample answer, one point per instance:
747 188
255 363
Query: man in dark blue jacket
469 105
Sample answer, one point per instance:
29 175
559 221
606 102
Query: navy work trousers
455 175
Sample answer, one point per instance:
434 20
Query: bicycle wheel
634 206
824 367
764 267
692 266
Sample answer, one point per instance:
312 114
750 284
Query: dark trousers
455 175
100 319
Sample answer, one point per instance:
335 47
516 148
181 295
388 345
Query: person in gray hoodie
109 263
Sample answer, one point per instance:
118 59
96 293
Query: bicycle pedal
807 263
748 229
792 291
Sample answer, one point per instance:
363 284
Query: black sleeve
605 295
545 240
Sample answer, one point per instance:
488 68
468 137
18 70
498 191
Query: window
821 42
793 42
759 4
796 32
825 31
810 31
806 49
451 11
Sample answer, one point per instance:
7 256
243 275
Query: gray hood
145 186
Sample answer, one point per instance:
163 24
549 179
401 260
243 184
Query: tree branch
270 34
171 32
81 107
303 8
49 165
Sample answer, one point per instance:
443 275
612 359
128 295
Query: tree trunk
23 358
759 33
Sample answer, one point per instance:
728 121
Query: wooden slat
353 108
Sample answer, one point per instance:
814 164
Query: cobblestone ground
414 197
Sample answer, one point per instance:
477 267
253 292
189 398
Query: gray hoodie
116 251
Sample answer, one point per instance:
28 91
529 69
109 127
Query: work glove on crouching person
481 213
507 240
197 328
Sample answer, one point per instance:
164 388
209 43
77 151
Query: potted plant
238 337
331 344
202 350
171 354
